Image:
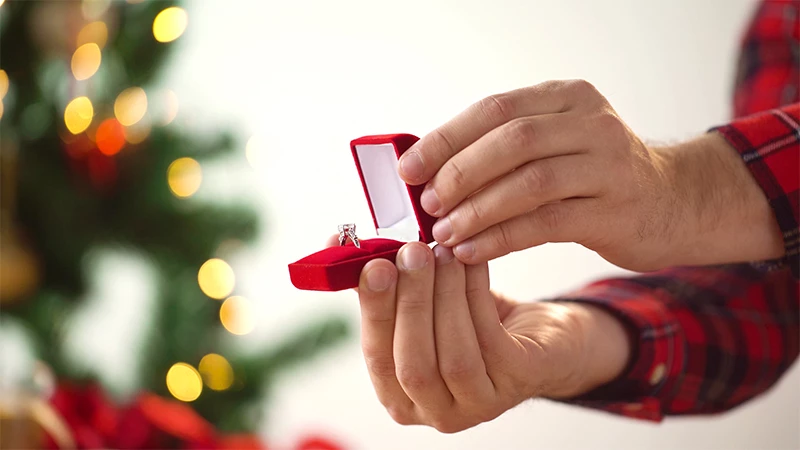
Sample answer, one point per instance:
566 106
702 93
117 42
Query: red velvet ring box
396 212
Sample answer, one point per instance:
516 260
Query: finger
414 345
499 152
420 163
565 221
460 361
501 352
377 298
530 186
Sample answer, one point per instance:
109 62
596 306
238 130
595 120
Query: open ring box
396 212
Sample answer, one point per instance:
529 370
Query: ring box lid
395 206
396 213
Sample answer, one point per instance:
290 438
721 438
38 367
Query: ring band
348 230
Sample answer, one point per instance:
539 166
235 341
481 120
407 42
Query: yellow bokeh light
3 83
1 2
1 108
78 114
170 24
130 106
138 132
236 315
170 107
93 33
184 382
216 278
216 371
86 61
184 176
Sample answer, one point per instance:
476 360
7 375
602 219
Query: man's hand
444 351
555 163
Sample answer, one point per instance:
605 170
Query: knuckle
520 134
447 426
456 174
457 370
611 125
498 107
442 142
583 88
504 237
412 377
548 217
401 415
413 304
380 364
538 178
475 211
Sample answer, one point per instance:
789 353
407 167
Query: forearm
722 214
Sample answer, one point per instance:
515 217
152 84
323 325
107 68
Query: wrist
720 213
604 350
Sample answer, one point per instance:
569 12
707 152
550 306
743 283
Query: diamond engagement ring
348 230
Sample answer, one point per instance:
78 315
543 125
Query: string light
110 137
170 24
3 83
216 371
236 315
184 176
184 382
130 106
78 114
86 61
93 33
216 278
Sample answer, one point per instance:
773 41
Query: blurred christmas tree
90 159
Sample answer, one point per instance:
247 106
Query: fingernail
442 230
464 250
430 201
443 254
411 165
413 257
379 279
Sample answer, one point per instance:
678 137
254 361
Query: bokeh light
216 278
110 137
86 61
170 24
130 106
236 315
138 132
184 176
1 108
94 9
78 114
1 2
3 83
253 151
216 371
170 110
95 32
184 382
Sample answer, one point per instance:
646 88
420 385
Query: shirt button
657 374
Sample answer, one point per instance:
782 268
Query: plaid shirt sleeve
769 143
704 339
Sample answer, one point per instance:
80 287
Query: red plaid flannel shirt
707 339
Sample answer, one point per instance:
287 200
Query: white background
308 77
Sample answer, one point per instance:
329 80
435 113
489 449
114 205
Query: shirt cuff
658 352
769 144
